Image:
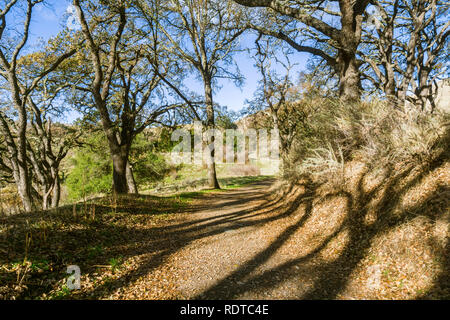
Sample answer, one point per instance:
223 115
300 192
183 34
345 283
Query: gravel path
240 244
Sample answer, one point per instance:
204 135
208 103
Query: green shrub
91 174
148 163
90 170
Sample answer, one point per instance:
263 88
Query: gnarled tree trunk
56 196
349 76
212 175
349 40
119 155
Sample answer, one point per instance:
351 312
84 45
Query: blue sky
49 19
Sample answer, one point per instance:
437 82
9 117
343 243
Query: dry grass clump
375 133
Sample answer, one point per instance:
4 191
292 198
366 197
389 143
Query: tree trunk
390 83
284 148
350 38
24 189
119 159
18 165
349 77
390 86
212 176
56 193
132 186
24 183
119 148
45 198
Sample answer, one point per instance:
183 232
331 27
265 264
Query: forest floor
246 242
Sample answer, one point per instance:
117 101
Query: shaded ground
307 241
362 241
113 241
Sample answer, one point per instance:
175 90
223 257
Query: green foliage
91 170
226 119
63 293
90 175
152 167
115 263
94 251
161 142
146 159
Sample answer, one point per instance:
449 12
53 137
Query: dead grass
104 238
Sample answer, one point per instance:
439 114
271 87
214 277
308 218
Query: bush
146 158
90 169
372 132
91 174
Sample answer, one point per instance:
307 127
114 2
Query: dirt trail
240 245
310 243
